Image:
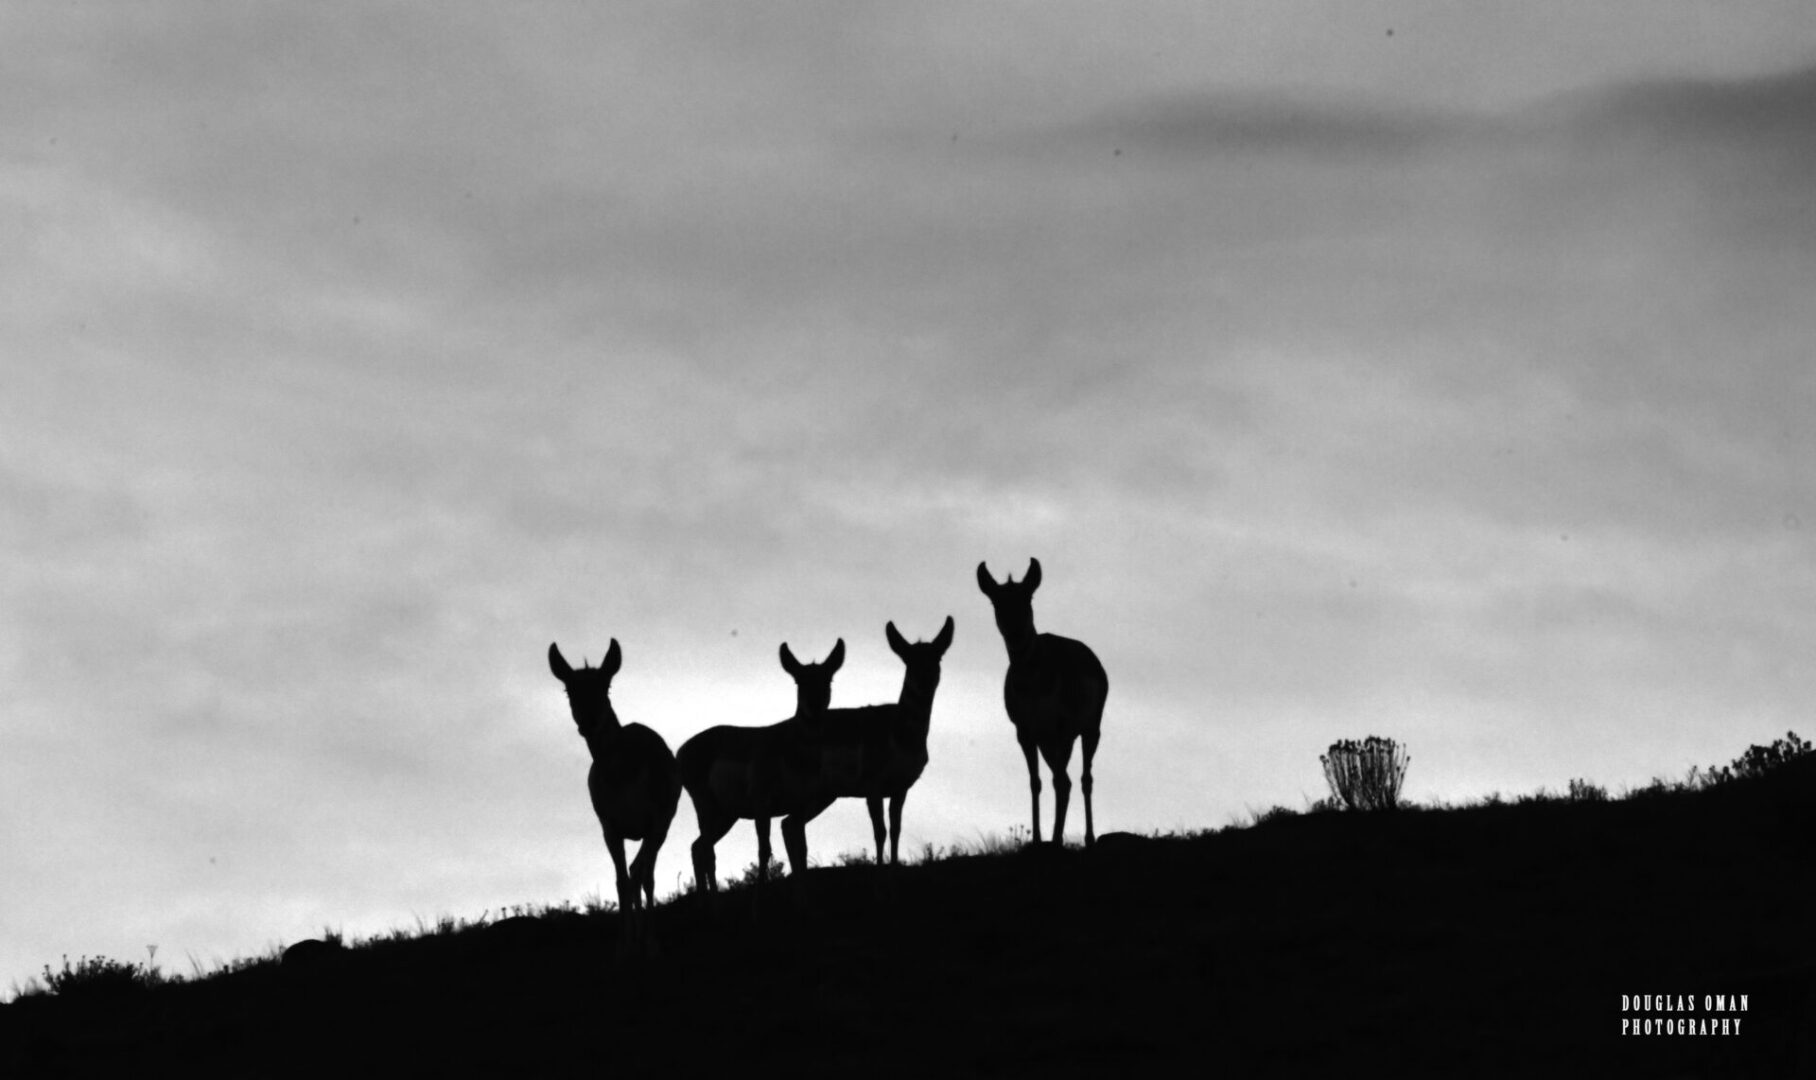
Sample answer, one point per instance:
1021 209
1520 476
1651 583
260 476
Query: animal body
1054 693
877 752
634 783
761 773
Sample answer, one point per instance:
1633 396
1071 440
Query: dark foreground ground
1494 940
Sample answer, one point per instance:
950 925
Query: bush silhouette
1756 762
1366 775
1584 791
100 976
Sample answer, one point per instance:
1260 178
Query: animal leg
895 827
627 893
1030 752
713 828
763 850
1058 757
794 835
627 889
875 804
794 842
643 867
1084 785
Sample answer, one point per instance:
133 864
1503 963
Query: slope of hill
1490 940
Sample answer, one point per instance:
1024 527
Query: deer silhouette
633 780
877 752
1054 692
761 773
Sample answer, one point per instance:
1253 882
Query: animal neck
809 711
914 708
916 697
1019 640
604 730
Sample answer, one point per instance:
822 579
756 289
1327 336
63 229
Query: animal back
856 748
752 771
1057 686
634 782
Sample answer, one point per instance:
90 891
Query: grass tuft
1584 791
102 976
1366 775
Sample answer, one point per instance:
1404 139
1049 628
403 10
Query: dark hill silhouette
1490 940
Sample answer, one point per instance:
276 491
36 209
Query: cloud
1208 124
1761 112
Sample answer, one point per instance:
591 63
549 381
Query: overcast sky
1435 372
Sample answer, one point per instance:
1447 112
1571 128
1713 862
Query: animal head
922 657
813 682
588 689
1014 603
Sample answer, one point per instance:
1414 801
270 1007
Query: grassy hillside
1488 940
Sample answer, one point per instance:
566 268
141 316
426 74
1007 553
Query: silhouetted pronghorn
877 752
761 772
633 781
1054 691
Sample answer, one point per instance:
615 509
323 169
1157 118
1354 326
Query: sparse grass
444 926
1018 837
1657 787
1013 840
1273 813
752 874
1584 791
986 844
200 971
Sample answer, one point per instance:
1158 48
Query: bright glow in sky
1351 368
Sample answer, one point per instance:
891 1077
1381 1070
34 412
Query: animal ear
789 663
944 638
896 644
986 582
558 664
613 658
1032 580
835 659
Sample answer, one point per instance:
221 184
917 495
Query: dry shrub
1366 775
